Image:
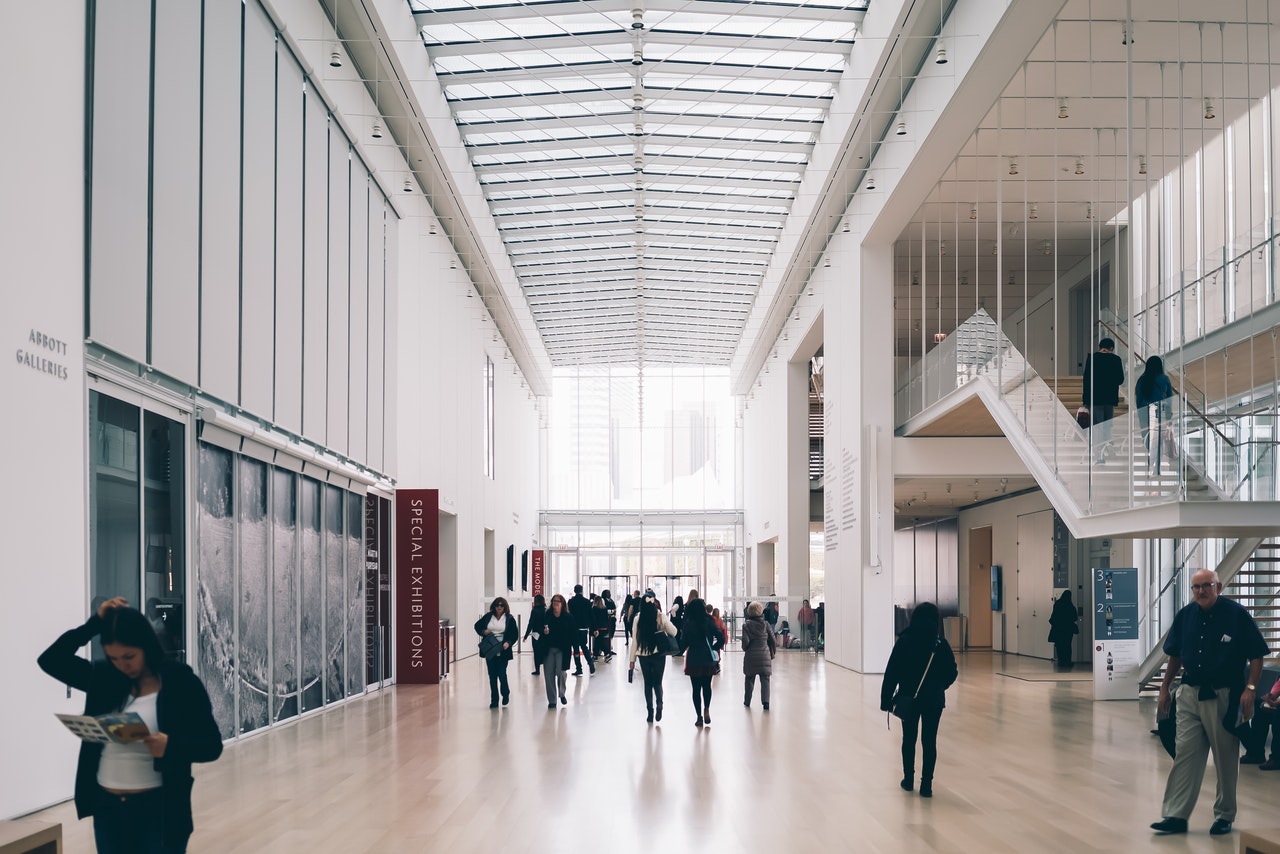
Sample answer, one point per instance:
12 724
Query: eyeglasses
1208 585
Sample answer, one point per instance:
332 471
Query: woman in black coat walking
1063 629
559 633
923 666
139 794
499 622
700 642
534 627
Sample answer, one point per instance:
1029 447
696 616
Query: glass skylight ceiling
639 156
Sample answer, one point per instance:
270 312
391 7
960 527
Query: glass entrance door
138 511
668 587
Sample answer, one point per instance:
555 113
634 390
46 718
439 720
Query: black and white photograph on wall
311 589
215 583
254 539
353 611
284 611
335 653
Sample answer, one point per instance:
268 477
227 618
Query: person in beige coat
758 650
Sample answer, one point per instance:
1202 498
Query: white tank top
129 767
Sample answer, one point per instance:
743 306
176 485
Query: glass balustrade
1186 451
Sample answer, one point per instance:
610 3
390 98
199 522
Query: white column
859 468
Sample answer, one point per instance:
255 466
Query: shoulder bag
490 645
905 707
665 644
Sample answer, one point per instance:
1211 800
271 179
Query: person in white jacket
649 625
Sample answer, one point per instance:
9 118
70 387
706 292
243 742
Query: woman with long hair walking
648 625
923 666
701 643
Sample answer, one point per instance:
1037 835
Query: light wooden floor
1024 767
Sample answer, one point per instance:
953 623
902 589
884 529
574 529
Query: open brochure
121 727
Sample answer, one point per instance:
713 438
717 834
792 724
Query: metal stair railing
1236 557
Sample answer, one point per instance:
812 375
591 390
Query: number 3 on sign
1099 574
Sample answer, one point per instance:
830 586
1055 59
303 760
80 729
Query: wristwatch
1251 687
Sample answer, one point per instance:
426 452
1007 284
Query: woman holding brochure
139 794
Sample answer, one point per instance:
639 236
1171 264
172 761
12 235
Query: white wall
43 551
1002 516
440 400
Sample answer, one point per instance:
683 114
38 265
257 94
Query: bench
30 837
1264 841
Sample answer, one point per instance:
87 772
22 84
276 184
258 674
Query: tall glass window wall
646 460
137 500
657 438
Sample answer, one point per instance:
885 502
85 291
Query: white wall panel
288 332
220 201
315 271
121 109
390 346
257 265
175 192
42 218
379 215
358 408
339 279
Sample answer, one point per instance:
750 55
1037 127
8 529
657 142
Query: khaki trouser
1200 731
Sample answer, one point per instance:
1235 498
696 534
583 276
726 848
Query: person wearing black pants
648 624
922 666
499 622
534 628
1063 629
558 634
580 610
700 643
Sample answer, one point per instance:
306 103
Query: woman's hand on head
111 605
156 743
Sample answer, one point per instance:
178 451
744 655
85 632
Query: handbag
711 649
665 644
490 646
905 707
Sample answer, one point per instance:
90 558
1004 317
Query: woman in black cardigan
152 813
499 622
923 666
559 633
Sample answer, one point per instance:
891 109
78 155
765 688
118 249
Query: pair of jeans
497 667
652 668
925 723
555 672
130 824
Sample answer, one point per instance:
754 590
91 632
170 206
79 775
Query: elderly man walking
1210 642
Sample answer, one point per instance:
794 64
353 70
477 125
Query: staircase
1255 585
1070 392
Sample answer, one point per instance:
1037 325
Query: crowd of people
581 630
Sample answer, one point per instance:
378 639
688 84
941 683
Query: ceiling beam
624 94
596 68
626 118
579 41
844 13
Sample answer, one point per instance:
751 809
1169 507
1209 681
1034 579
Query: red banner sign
538 558
417 586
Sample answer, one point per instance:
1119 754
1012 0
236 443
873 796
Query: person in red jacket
805 618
